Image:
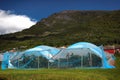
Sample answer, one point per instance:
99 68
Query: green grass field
63 74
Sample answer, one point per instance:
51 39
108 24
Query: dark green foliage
76 61
68 27
31 62
96 61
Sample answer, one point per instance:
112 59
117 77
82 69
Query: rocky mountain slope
67 27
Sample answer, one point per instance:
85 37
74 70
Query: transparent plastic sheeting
97 50
82 54
28 58
76 58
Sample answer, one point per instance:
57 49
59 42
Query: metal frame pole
38 62
82 61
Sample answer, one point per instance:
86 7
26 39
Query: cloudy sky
16 15
10 23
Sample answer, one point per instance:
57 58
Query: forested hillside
68 27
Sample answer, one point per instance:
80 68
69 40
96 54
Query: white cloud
10 22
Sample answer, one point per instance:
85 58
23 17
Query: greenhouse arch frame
78 55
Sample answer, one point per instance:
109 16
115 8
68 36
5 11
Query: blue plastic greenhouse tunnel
78 55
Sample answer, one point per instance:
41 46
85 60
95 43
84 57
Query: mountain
68 27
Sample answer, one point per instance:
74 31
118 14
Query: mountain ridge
67 27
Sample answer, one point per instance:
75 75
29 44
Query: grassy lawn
63 74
